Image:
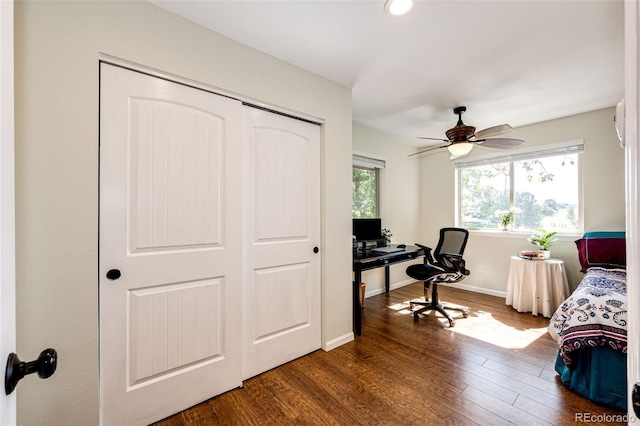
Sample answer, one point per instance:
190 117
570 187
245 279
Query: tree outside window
364 192
485 195
548 195
543 192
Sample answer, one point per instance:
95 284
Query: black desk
365 260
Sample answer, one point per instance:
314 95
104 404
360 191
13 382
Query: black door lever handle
45 366
635 398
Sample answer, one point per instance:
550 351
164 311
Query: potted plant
386 236
544 240
507 219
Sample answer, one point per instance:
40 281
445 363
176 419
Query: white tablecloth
537 286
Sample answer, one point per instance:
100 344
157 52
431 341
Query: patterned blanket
594 315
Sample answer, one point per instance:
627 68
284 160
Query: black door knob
113 274
45 366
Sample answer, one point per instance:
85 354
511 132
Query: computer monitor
367 229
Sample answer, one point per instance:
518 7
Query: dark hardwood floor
493 368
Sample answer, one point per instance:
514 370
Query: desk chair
446 265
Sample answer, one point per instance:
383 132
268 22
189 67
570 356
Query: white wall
399 205
57 49
604 204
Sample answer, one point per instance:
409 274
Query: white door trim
632 160
113 60
7 205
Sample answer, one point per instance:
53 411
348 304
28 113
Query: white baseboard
391 287
490 292
339 341
497 293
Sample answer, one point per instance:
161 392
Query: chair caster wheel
452 324
416 316
465 314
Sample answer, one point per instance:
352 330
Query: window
542 187
365 185
364 196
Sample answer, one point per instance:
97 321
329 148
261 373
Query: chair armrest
428 258
457 261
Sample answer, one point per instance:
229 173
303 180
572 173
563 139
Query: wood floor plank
480 415
506 411
495 369
549 374
494 389
524 376
534 408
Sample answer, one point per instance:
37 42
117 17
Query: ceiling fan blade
434 139
427 150
493 131
500 143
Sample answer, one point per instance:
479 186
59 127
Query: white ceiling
509 61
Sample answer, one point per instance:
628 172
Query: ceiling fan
461 138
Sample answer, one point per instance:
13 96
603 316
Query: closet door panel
282 285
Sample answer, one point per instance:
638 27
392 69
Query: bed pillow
603 252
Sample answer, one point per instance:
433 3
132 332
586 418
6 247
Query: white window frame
550 150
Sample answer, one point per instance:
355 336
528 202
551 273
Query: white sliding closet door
209 244
170 246
281 297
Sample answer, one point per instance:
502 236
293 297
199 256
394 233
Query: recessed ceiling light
395 8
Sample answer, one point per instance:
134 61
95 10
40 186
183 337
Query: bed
590 326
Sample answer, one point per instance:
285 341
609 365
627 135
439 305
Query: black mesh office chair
446 265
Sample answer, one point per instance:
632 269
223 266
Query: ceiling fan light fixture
396 8
460 148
